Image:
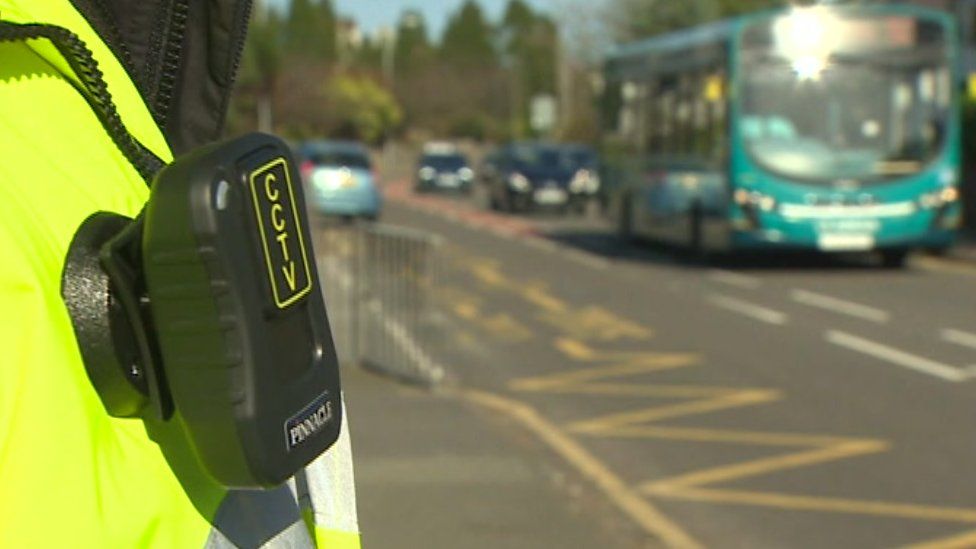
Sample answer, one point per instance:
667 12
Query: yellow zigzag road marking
604 380
611 379
469 307
632 504
592 322
966 540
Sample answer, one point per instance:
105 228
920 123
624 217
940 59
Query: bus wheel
894 259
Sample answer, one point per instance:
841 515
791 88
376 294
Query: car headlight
939 198
754 200
466 174
333 180
593 183
519 182
585 181
427 173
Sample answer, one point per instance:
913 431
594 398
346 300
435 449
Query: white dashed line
899 357
751 310
841 306
959 337
735 279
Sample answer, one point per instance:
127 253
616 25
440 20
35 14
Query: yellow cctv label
281 233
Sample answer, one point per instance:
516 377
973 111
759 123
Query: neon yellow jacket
71 475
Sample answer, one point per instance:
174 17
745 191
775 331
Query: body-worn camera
206 309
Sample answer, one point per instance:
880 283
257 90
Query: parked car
528 175
340 179
443 170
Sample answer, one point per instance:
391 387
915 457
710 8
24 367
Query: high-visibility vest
71 475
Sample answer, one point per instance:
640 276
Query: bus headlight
427 173
754 200
939 198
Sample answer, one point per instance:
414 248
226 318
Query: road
769 403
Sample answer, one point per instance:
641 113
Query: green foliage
472 126
477 82
530 43
413 50
310 30
369 56
532 46
263 52
518 14
635 19
364 109
467 39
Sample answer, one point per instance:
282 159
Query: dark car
585 185
443 171
529 175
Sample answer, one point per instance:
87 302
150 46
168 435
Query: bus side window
713 90
612 105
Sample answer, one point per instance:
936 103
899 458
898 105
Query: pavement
432 471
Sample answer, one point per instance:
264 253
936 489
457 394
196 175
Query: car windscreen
338 159
543 158
582 158
444 161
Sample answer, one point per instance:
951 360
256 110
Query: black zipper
244 18
170 60
95 91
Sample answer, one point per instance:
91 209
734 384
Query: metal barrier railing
377 281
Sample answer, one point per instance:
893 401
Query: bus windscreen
847 98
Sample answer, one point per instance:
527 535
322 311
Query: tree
531 46
635 19
310 30
261 67
413 50
467 39
369 55
365 110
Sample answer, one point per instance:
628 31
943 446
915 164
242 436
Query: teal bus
830 128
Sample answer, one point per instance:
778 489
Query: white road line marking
959 337
735 279
898 357
841 306
751 310
587 259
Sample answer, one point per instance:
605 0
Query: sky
373 14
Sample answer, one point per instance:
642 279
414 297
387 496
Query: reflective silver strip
802 211
253 519
330 484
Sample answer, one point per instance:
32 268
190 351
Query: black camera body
216 284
